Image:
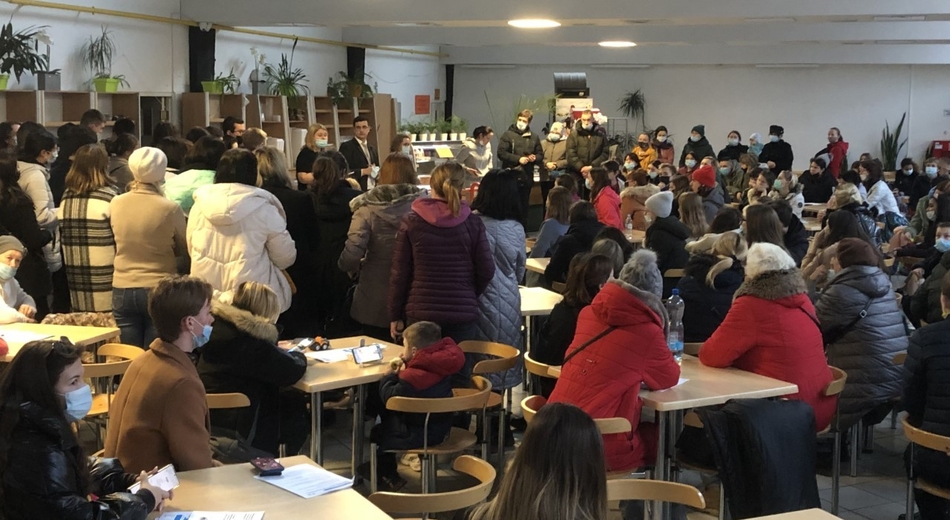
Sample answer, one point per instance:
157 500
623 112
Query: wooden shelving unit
21 105
203 109
270 113
61 107
119 105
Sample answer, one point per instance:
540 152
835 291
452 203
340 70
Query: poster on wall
423 104
572 107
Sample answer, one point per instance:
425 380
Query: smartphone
368 354
165 479
267 467
302 344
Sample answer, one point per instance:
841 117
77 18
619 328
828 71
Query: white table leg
316 427
660 512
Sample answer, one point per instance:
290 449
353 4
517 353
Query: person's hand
366 172
532 158
919 272
551 166
586 170
771 165
523 161
821 214
473 172
27 311
217 463
157 493
396 328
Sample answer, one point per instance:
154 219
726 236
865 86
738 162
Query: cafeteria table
15 333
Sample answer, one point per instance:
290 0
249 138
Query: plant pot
212 87
355 90
4 79
462 136
257 87
413 137
423 137
48 81
443 137
106 84
453 137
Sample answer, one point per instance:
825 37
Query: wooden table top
234 488
322 377
812 224
80 336
537 265
634 235
538 301
814 207
809 514
709 386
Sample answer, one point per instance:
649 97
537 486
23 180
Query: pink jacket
607 204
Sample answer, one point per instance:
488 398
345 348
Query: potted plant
255 77
222 84
411 129
46 79
285 80
18 53
891 144
459 128
97 54
347 88
444 127
633 105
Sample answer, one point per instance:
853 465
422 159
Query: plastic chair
674 273
465 400
834 388
231 400
404 503
918 437
505 358
655 490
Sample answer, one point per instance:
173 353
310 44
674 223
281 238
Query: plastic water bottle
628 225
674 307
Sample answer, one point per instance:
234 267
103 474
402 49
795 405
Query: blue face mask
942 245
7 272
407 151
695 138
204 338
725 171
931 171
690 163
773 138
629 166
777 184
78 403
587 183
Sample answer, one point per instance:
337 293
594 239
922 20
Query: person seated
253 139
15 305
761 181
772 330
570 183
705 184
556 222
735 173
794 234
560 464
586 277
787 188
925 301
817 265
610 249
633 204
818 185
863 328
44 471
242 357
693 215
928 358
666 235
620 344
424 370
728 219
618 237
159 414
710 283
916 237
578 239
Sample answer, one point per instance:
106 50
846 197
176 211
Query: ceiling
761 32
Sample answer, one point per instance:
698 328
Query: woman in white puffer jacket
237 232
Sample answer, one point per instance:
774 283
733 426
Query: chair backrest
465 399
539 369
105 369
692 348
129 352
232 400
505 356
559 287
530 406
839 378
405 503
674 273
613 425
899 358
925 439
628 489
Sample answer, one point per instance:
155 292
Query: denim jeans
130 308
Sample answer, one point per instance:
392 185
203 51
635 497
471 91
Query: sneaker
411 460
391 483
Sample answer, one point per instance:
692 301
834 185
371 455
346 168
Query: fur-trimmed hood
610 308
774 285
385 195
260 328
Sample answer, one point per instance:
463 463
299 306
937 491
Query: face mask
407 150
909 172
831 273
931 171
661 139
931 215
521 125
589 126
629 166
644 145
864 177
204 338
554 137
942 245
52 157
78 403
695 138
648 218
587 183
321 143
375 173
733 142
773 138
777 184
690 163
653 175
725 171
7 272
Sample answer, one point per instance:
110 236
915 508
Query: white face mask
690 163
78 403
931 215
864 177
909 171
773 138
521 125
589 126
553 137
733 142
407 150
661 139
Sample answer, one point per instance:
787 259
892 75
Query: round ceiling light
534 23
617 44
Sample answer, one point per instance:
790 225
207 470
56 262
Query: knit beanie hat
8 242
764 257
642 272
757 136
661 204
699 129
148 165
854 251
846 194
705 175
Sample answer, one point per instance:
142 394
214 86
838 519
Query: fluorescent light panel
534 23
617 44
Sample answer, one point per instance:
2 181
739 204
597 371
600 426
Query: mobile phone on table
165 479
302 344
267 467
368 354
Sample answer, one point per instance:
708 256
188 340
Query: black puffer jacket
515 144
42 480
706 306
925 304
578 239
667 237
779 153
865 349
926 394
700 150
866 219
333 222
585 148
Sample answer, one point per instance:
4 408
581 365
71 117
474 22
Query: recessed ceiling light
534 23
617 44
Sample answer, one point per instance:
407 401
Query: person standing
317 140
520 150
777 154
697 146
734 149
555 150
835 153
666 153
476 154
362 157
586 148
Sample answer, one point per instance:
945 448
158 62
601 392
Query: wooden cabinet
203 109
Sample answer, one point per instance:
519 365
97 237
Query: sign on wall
423 104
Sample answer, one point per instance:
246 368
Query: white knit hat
764 257
660 204
148 165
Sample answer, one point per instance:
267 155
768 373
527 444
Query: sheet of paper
21 336
444 152
211 515
308 481
329 356
678 383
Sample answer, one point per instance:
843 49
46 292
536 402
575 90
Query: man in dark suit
360 155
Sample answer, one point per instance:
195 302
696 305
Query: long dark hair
841 225
612 233
762 225
10 191
326 177
31 378
599 179
585 275
498 196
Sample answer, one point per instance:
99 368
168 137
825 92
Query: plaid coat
88 248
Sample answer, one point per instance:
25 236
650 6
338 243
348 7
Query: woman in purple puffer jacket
441 262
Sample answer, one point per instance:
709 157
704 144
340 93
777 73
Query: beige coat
149 233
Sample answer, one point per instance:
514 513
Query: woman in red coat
604 378
606 200
772 330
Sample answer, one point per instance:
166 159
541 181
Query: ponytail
446 181
723 265
731 248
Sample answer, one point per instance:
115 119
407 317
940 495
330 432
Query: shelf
273 122
60 123
322 111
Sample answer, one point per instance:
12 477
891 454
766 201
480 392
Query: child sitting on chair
424 370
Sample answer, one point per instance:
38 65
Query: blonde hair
446 182
257 299
730 247
89 169
397 169
311 139
272 168
692 214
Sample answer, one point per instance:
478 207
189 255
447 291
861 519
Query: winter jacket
120 173
41 479
713 202
607 204
838 152
866 220
57 178
242 356
772 330
904 184
159 414
333 223
551 231
88 248
499 306
150 238
817 188
925 304
700 150
238 233
515 144
181 189
645 157
779 153
665 151
605 378
706 306
428 374
18 219
555 152
368 251
737 181
733 151
578 239
863 350
926 395
667 237
919 224
555 337
585 148
920 189
441 265
34 181
471 155
881 199
796 240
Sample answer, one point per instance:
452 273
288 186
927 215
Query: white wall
406 75
806 102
